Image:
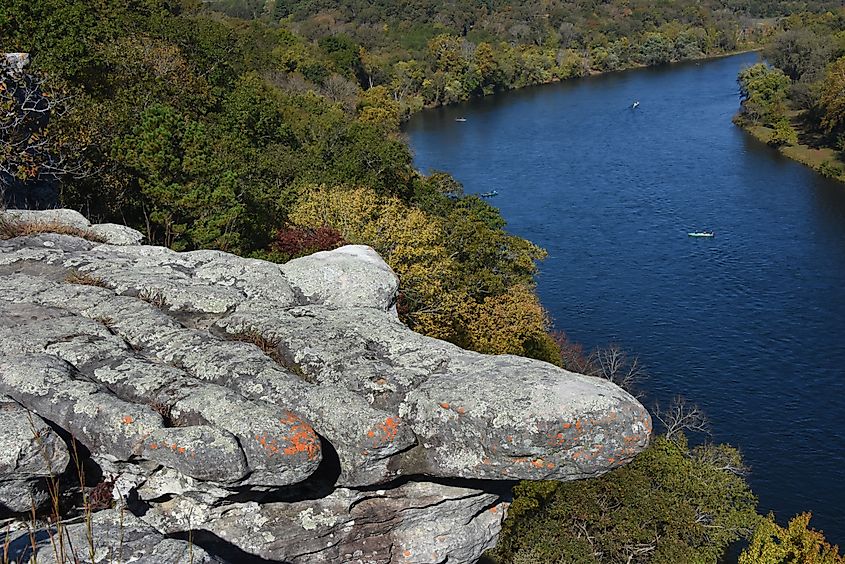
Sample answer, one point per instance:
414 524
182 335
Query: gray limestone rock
29 448
16 61
30 453
351 276
116 536
279 448
202 379
110 233
415 522
115 234
70 218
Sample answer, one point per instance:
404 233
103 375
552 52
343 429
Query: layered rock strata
280 412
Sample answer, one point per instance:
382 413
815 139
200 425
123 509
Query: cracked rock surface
270 402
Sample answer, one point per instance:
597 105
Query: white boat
460 119
489 194
701 234
635 105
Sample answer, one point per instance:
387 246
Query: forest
796 101
272 130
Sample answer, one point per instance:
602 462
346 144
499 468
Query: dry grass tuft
10 228
267 346
153 297
166 412
76 277
270 347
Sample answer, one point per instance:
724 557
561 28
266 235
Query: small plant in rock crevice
153 297
81 278
270 347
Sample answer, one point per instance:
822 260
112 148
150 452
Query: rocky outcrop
280 412
114 535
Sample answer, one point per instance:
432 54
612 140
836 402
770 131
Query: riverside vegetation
275 139
796 102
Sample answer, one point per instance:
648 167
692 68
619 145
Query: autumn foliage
294 242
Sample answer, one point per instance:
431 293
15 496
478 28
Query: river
749 324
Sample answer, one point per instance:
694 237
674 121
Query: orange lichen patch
557 439
611 460
153 446
304 439
549 465
390 428
567 425
537 463
407 554
578 425
444 405
509 438
290 419
494 509
181 450
127 419
270 445
461 410
384 432
485 460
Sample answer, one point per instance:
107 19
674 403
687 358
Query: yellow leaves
503 324
407 239
773 544
412 243
831 99
378 106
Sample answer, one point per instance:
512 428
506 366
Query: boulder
110 233
351 276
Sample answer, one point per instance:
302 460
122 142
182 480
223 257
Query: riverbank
413 109
824 160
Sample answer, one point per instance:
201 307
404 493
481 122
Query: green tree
190 196
784 134
656 49
800 53
763 92
832 100
671 504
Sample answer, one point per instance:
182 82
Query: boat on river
460 119
701 234
489 194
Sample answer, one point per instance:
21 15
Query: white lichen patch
309 520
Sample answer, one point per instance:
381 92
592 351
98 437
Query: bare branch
681 416
614 364
28 149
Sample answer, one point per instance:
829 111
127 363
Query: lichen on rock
272 408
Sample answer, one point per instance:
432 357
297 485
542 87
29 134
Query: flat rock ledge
270 412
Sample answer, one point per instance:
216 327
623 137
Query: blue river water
749 324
